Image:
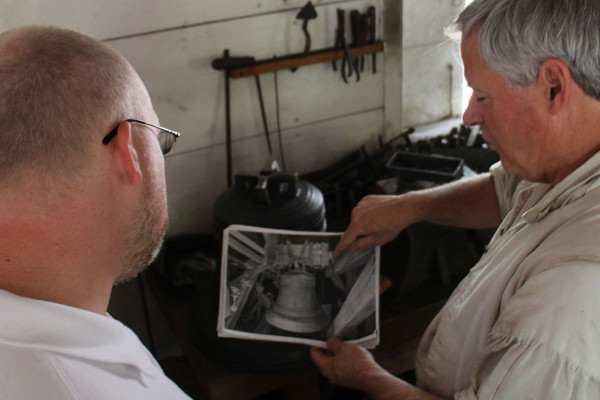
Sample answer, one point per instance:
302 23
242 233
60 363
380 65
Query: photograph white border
369 339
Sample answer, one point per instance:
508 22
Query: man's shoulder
29 373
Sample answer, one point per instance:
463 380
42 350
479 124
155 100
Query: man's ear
126 156
555 76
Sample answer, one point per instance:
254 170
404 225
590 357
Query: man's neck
30 283
60 257
576 138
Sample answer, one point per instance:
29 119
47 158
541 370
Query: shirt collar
574 186
71 331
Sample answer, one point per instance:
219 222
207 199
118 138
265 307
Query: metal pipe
228 125
279 136
262 112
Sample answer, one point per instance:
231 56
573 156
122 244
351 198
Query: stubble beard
145 238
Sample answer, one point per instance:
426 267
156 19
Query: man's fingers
362 243
334 345
320 356
346 240
317 355
322 359
359 243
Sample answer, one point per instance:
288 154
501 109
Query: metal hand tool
307 13
340 42
279 135
226 63
263 114
372 13
355 29
364 36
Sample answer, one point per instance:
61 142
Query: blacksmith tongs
340 43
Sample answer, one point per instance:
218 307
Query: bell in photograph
297 308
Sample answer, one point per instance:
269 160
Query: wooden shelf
294 61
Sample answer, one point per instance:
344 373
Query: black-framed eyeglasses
166 137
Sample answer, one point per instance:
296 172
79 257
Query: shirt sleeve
545 342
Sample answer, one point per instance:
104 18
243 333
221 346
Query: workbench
401 328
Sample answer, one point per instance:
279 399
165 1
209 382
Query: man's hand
467 203
349 365
344 364
375 221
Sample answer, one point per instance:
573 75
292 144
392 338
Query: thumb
343 244
317 354
334 345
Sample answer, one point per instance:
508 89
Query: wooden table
400 334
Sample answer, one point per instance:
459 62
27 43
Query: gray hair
516 36
58 89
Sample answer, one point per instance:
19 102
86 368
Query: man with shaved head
82 207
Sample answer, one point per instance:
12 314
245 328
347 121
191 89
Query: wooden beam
294 61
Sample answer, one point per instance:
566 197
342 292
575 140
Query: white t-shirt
525 322
51 351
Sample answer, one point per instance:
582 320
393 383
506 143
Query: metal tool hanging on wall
278 120
364 36
372 14
307 13
363 28
340 42
226 64
364 42
355 30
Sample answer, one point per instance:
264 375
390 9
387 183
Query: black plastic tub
428 167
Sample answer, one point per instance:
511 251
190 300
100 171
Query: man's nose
472 116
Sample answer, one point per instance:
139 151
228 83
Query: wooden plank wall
172 43
432 71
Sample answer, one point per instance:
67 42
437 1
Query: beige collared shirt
525 322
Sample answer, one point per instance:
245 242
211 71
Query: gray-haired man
524 322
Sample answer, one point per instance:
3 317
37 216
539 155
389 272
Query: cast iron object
271 199
307 13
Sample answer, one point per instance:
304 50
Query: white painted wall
432 73
172 43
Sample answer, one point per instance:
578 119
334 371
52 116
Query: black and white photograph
286 286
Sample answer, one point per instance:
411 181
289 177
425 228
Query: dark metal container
271 199
428 167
